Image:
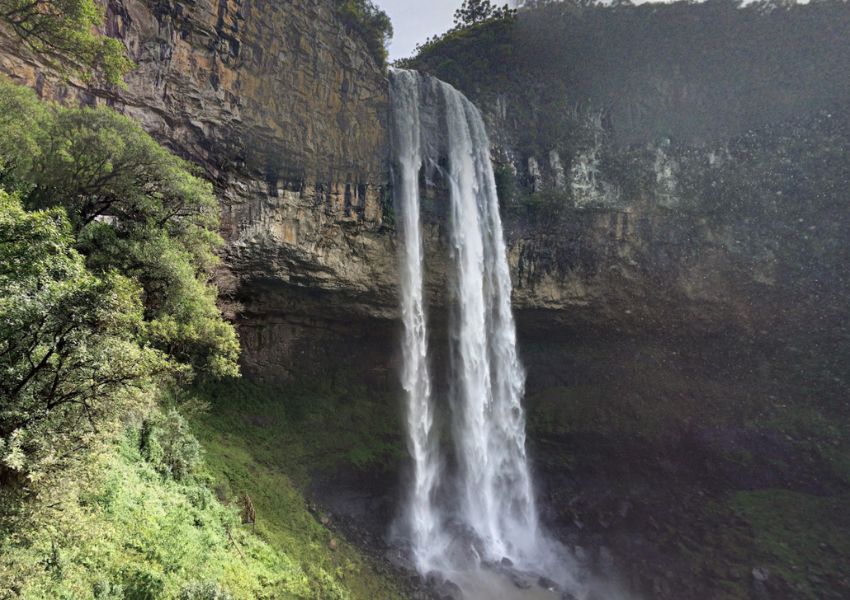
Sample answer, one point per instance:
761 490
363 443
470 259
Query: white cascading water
424 520
497 495
496 499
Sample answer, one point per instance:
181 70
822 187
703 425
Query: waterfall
424 521
497 498
435 128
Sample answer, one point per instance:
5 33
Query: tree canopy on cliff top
64 33
371 23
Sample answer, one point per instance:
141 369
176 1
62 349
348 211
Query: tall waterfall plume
488 381
423 518
436 128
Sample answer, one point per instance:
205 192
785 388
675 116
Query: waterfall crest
436 128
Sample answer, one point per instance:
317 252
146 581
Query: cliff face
281 106
667 168
620 215
284 109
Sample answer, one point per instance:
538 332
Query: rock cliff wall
284 110
668 169
612 223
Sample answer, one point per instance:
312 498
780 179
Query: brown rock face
284 110
277 88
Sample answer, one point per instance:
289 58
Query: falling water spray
435 127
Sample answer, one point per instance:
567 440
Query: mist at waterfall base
476 524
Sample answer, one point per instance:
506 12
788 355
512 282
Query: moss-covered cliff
673 167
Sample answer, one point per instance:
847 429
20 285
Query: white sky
416 20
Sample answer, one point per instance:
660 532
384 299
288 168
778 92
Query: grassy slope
267 441
115 527
118 528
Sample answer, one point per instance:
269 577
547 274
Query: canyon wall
649 198
668 168
283 108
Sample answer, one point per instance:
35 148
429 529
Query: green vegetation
799 536
123 526
62 32
131 207
473 12
69 349
107 316
476 23
305 427
371 23
108 242
269 442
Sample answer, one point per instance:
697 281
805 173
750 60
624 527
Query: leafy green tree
64 33
371 23
68 338
473 12
133 207
22 120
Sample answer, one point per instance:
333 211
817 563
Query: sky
416 20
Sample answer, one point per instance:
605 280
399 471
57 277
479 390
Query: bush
168 444
206 590
142 583
105 589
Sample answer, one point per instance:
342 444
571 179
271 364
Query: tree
473 12
63 32
371 23
132 207
68 338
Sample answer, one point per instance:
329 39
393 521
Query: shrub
142 583
206 590
168 444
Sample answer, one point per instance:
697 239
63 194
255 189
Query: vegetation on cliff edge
63 32
371 23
